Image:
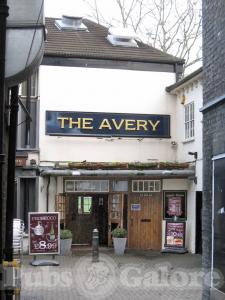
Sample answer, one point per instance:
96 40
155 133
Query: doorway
145 221
199 222
85 213
117 213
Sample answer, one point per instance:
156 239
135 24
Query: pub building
115 138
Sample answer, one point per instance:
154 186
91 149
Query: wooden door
145 221
82 217
115 213
85 213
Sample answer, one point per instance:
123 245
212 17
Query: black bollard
95 245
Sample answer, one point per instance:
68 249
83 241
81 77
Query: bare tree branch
173 26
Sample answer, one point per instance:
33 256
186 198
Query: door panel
145 221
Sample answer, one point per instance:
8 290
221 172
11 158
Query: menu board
44 233
175 234
174 204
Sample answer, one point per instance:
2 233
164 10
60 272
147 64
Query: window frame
143 183
75 190
81 205
189 121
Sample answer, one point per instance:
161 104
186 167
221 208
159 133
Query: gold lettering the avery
62 122
72 123
154 125
84 123
142 124
118 125
87 122
130 125
105 124
110 124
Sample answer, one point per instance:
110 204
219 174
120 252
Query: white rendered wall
103 90
55 187
189 186
193 93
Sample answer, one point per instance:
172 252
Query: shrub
119 233
65 234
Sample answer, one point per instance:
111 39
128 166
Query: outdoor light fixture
194 153
183 98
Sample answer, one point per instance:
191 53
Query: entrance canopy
185 173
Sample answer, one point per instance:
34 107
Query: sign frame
184 235
29 233
135 207
184 205
52 130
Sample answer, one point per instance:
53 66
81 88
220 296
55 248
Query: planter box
65 246
119 245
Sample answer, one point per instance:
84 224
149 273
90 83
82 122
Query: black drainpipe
14 107
27 136
47 194
3 16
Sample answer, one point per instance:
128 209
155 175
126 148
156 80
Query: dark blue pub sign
68 123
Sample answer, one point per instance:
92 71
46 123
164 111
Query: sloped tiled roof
94 45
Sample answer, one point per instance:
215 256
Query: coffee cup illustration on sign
39 229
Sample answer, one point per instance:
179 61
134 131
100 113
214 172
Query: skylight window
121 37
71 23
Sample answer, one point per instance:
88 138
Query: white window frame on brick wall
146 186
189 121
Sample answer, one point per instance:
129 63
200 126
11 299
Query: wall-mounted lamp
182 99
195 154
173 143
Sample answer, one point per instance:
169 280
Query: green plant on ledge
65 234
119 232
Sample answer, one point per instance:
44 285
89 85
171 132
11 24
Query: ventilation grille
71 23
121 37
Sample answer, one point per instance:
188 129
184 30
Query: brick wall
214 118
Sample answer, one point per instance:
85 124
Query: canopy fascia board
185 173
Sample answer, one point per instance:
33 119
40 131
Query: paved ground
136 275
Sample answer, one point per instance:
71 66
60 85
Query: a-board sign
44 233
135 207
175 234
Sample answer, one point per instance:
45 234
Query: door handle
131 222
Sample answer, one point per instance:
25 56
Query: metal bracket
2 158
25 110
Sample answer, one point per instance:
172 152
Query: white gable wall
193 93
104 90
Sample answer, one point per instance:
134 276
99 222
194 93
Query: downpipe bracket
2 158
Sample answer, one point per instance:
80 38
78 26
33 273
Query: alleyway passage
136 275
